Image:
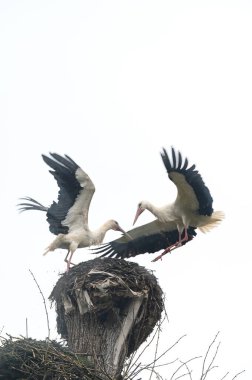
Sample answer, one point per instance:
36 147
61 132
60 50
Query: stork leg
181 240
180 231
167 250
68 261
173 246
72 248
185 238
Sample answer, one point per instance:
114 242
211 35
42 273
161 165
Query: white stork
68 217
193 205
148 238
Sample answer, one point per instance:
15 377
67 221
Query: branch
131 364
239 373
147 366
155 355
47 318
209 368
189 372
182 365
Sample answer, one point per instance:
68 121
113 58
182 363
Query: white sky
110 83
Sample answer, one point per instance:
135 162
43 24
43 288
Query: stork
68 217
193 204
150 237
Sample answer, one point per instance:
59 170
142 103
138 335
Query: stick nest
103 287
23 358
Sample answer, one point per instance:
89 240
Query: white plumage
68 217
193 204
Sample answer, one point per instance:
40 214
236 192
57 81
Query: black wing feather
192 177
143 244
64 170
31 204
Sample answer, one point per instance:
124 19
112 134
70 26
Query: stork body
148 238
68 217
193 204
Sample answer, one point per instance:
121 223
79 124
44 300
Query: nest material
103 287
23 358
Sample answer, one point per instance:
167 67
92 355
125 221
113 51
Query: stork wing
192 191
148 238
75 194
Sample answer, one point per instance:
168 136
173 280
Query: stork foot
68 265
167 250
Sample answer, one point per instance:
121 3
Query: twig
209 368
47 317
224 376
168 349
155 355
188 369
147 366
182 365
239 373
133 363
26 327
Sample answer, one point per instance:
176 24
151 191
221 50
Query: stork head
140 208
116 227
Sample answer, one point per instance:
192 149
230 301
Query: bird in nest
68 216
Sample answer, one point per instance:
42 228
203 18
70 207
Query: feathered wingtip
216 218
30 204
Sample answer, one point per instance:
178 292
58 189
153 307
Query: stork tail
216 218
31 204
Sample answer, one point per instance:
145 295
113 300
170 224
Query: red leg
167 250
68 261
173 246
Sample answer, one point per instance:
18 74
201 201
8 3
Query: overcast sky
110 83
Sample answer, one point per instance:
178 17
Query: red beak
139 212
124 232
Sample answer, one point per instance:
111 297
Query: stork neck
153 209
164 214
101 232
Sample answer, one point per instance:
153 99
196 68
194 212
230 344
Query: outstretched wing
148 238
192 191
75 194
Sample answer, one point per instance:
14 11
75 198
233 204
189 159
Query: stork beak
138 213
124 232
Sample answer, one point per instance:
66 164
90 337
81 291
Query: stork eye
140 204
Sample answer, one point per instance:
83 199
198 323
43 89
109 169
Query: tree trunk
105 309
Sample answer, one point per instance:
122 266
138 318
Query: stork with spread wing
68 217
148 238
193 205
177 222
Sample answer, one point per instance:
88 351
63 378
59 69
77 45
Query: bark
105 309
103 341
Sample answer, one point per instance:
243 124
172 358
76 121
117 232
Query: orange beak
139 212
124 232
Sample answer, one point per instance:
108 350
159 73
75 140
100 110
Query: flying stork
68 217
148 238
194 204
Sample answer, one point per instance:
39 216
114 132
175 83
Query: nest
103 288
22 358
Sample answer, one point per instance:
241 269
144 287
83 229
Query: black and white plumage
148 238
68 217
194 204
